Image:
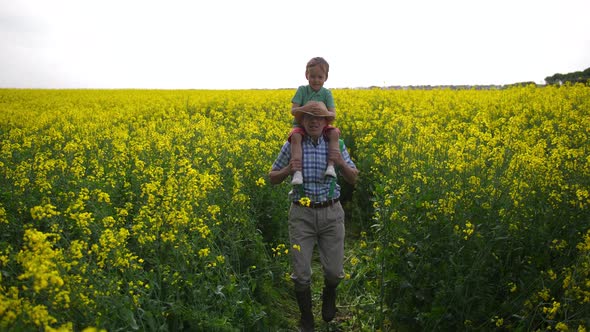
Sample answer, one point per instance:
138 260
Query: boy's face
316 77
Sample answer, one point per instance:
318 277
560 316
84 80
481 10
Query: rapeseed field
151 210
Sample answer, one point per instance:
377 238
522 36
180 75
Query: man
315 215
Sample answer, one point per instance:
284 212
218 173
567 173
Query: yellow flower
93 329
544 294
279 250
260 182
585 244
305 201
468 231
561 326
104 197
512 287
297 247
214 210
44 211
204 252
558 244
500 322
552 311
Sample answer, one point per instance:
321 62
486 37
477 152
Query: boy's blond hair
318 61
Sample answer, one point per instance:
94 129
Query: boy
315 99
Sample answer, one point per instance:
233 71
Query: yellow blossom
512 287
561 326
304 201
204 252
260 182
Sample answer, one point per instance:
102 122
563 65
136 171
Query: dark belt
318 205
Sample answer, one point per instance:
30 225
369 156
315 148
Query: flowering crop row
481 208
150 209
135 209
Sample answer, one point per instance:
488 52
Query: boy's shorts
299 130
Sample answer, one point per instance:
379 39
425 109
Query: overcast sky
243 44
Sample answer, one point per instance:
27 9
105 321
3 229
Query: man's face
314 125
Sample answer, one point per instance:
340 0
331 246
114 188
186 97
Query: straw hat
322 113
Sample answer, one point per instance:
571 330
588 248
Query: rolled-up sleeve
347 158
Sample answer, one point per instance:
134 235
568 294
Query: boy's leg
296 154
333 135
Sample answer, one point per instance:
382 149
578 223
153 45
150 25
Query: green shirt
305 93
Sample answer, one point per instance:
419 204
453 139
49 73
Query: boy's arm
330 103
332 110
295 108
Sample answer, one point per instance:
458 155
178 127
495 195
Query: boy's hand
335 156
315 107
295 165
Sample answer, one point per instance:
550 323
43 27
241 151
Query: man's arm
279 173
278 176
350 174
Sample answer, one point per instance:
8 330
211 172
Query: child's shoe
297 178
330 171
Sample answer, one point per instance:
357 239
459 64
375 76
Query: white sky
243 44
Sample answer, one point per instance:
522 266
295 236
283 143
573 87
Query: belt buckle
323 204
316 205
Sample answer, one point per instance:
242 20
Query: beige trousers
324 227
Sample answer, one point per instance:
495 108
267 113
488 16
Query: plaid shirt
316 186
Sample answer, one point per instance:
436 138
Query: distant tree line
575 77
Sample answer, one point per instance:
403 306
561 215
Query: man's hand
277 176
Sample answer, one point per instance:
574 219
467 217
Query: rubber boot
328 302
304 301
